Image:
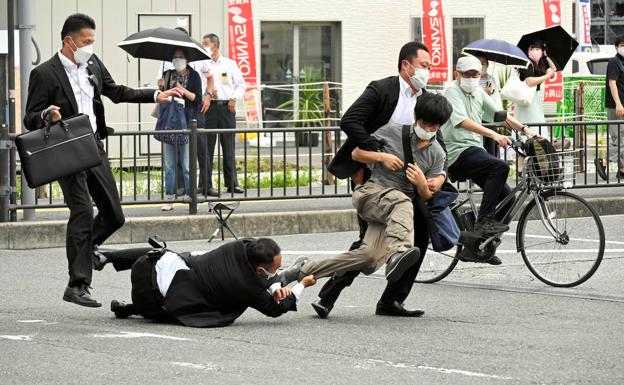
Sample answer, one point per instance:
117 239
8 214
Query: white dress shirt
83 89
228 79
201 66
166 268
404 111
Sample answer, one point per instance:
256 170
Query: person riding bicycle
463 136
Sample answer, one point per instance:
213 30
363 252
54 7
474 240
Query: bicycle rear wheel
436 266
571 257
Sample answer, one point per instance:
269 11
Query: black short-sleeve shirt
528 72
614 72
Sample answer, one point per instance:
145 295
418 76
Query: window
289 52
465 31
416 29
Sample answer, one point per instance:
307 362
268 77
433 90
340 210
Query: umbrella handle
551 64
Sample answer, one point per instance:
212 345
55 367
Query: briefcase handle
49 124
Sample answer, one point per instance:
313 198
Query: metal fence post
193 167
5 189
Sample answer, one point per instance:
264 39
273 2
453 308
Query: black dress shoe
399 263
236 190
619 175
121 309
601 170
494 260
80 296
322 309
490 226
291 273
99 260
211 193
396 309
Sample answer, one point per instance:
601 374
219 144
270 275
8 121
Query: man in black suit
71 82
206 290
389 99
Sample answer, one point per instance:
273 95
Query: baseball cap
468 63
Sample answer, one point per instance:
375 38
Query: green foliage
310 106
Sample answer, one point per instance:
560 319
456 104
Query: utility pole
11 81
24 17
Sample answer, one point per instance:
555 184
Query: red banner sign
243 50
434 37
553 88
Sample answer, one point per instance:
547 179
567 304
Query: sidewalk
259 218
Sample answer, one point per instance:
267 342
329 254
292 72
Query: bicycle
544 190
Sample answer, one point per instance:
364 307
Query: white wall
372 30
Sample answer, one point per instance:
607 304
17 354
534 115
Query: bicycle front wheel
561 238
436 266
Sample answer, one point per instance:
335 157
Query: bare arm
391 162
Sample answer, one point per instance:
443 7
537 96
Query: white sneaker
167 207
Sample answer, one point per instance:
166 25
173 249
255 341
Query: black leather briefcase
57 150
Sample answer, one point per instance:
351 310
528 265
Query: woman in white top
540 69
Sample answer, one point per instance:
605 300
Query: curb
48 234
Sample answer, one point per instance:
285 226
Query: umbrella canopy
498 51
161 43
559 44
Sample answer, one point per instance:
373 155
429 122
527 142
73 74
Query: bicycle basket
556 169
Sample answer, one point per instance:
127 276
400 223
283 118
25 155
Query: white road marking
572 239
31 321
195 366
139 335
17 338
563 251
468 373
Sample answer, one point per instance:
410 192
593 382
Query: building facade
352 42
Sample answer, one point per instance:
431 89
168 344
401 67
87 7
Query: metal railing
274 163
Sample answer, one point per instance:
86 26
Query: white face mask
82 54
423 134
469 85
179 64
268 274
620 51
420 78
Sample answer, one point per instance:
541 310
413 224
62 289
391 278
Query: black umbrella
559 44
161 43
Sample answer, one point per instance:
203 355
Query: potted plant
309 109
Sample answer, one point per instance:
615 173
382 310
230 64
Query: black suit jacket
371 110
49 85
219 287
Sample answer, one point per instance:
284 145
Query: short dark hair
76 22
432 108
409 50
618 40
213 38
262 251
182 29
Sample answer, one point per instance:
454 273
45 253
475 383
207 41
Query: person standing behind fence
71 82
488 83
614 96
229 86
175 147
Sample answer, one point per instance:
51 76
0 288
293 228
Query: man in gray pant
385 201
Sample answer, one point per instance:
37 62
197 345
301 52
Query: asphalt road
483 325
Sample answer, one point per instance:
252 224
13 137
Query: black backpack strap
419 204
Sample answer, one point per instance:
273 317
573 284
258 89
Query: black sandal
601 170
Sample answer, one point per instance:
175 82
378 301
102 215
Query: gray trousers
390 217
616 139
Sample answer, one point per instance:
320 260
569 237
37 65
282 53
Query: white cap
468 63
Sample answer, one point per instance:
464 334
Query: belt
220 102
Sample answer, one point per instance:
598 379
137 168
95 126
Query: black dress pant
83 230
217 116
488 172
395 291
